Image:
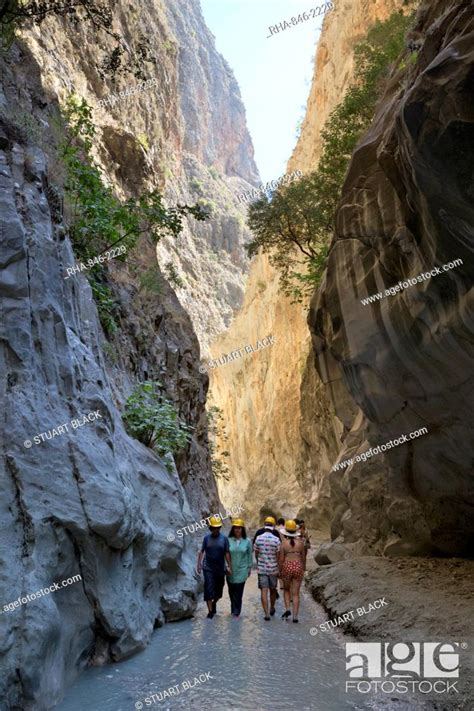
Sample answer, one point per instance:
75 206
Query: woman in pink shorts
292 561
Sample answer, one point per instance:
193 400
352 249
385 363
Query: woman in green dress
241 555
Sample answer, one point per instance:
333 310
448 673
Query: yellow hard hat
215 522
270 520
238 522
291 526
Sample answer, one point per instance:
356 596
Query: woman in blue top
241 555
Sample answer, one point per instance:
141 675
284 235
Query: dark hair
281 522
232 534
298 521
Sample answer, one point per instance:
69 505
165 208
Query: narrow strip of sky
274 73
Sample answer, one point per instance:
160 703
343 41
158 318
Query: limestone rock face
279 461
92 501
86 501
216 163
214 128
407 360
333 69
186 135
258 394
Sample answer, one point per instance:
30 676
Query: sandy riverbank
429 599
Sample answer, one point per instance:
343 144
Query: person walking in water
267 526
215 551
241 556
266 547
303 533
280 527
292 560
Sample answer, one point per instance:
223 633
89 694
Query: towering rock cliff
280 461
90 500
407 360
189 135
215 163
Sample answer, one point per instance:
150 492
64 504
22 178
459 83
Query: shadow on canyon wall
406 360
98 503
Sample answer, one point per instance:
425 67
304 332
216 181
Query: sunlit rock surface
187 135
280 459
407 360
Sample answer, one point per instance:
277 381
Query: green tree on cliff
217 436
98 219
153 420
16 14
295 224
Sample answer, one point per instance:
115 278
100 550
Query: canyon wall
280 459
189 137
90 500
407 359
214 164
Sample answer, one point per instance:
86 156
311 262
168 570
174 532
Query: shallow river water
254 665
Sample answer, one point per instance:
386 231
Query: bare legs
291 594
286 598
295 594
273 597
267 607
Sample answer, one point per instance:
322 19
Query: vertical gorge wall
94 501
407 359
189 136
283 433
